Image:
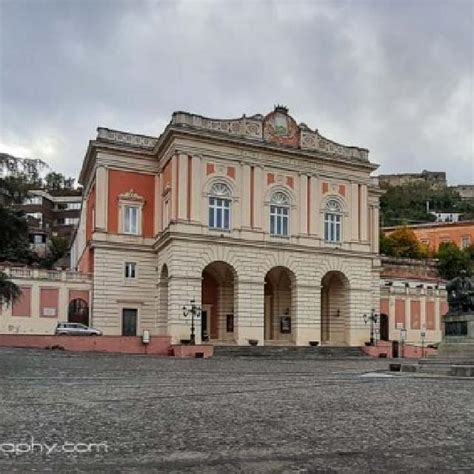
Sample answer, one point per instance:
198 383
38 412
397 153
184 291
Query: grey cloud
395 77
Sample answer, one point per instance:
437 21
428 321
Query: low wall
182 350
409 351
159 345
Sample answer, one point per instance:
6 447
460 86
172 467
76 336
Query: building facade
50 214
433 234
47 297
271 228
413 299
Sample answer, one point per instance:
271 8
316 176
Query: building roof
436 225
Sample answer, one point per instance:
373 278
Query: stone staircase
289 352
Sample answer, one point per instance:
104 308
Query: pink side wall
159 345
415 316
49 298
22 307
400 312
430 315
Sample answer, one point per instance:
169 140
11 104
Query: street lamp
194 311
373 317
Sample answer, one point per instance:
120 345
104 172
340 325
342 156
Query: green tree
451 260
58 247
14 241
9 291
57 181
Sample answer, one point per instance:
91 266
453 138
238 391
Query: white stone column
315 226
63 304
101 198
259 197
182 204
245 190
174 188
306 314
354 211
157 216
196 188
364 209
249 317
303 204
376 229
181 289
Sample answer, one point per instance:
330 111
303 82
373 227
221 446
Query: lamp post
373 317
194 311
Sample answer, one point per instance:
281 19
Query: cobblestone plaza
228 415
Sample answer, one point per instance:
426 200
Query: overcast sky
393 76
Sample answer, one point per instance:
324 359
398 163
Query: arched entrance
78 311
278 308
334 308
218 287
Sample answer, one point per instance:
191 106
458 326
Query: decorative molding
131 195
126 138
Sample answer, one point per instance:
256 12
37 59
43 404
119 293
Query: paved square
227 415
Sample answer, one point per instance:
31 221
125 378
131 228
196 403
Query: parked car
76 329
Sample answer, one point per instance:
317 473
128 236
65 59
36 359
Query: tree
57 181
402 243
58 247
14 241
9 291
451 260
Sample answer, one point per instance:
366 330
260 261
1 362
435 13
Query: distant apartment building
435 178
434 234
51 214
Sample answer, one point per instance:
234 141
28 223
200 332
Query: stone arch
332 264
279 304
78 311
218 300
280 188
212 180
335 308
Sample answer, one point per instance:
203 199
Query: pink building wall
49 302
22 307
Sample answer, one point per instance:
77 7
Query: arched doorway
384 330
218 287
163 299
78 311
278 307
334 308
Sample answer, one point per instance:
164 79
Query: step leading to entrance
289 352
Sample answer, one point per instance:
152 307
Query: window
71 220
130 270
73 206
332 221
33 200
219 207
130 220
38 239
279 214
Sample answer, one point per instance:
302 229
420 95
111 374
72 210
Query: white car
76 329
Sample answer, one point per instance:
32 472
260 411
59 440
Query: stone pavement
226 415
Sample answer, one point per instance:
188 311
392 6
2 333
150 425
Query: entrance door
204 326
384 332
129 322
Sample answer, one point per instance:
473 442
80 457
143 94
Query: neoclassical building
269 226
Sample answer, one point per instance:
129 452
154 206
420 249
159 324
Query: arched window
333 221
219 206
279 214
